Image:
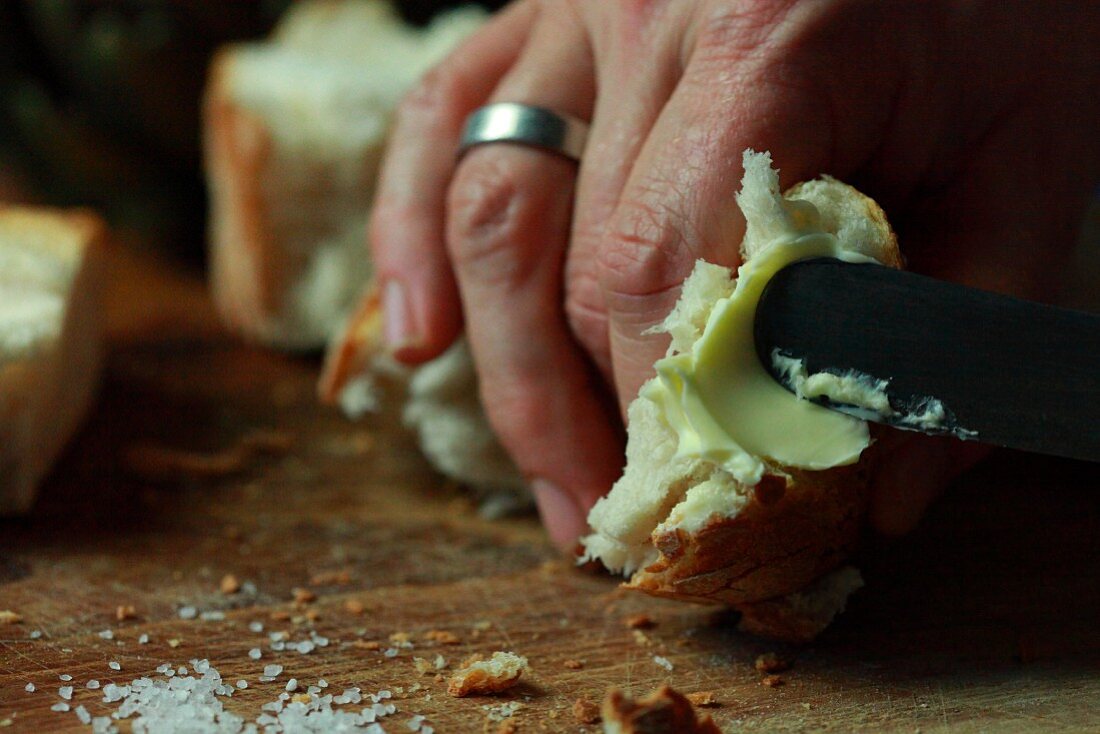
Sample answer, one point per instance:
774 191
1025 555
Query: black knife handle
1018 373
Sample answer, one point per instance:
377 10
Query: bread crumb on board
640 622
585 711
703 699
665 711
124 612
331 578
229 584
7 616
770 662
354 606
442 637
772 681
483 677
169 464
574 664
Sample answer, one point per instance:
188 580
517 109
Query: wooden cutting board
985 619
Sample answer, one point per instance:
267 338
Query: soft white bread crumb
294 129
685 528
442 406
483 677
50 340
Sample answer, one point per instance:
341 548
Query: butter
864 397
719 400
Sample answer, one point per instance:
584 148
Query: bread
665 711
51 346
441 405
683 527
483 677
294 129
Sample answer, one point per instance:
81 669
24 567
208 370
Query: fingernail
399 325
560 514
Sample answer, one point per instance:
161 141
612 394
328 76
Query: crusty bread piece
442 406
483 677
51 348
685 528
294 129
665 711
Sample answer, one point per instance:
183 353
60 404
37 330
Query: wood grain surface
985 619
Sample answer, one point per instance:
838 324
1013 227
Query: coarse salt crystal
292 684
213 616
35 634
107 635
83 715
29 688
60 706
143 639
92 685
272 670
305 647
113 665
256 626
65 677
188 612
66 692
663 662
390 652
322 683
242 684
255 653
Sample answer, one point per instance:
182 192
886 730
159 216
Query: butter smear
718 398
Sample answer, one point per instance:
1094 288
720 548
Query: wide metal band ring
511 122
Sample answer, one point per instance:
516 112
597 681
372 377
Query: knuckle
739 29
437 91
486 225
642 253
585 311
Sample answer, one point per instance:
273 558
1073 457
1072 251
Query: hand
972 123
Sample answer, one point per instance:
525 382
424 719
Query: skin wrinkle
488 215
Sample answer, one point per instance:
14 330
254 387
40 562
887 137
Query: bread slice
294 129
683 527
442 406
51 349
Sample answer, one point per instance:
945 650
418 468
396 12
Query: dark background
99 104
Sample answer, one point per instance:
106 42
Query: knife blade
1006 371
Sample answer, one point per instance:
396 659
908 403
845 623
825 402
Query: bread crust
245 264
796 526
772 547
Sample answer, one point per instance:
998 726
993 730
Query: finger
638 72
420 301
508 224
679 202
915 471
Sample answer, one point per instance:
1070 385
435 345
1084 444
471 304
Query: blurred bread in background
51 350
294 131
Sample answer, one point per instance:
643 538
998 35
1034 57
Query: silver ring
510 122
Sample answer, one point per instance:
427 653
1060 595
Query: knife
1006 372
